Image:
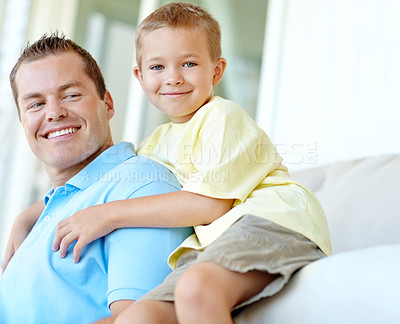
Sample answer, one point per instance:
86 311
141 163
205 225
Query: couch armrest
312 178
359 286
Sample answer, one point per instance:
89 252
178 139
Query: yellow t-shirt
222 153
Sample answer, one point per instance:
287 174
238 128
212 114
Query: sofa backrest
361 199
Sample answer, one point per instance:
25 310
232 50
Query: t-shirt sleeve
230 160
137 257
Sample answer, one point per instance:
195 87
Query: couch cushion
348 288
361 200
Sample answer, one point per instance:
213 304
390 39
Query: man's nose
174 77
55 110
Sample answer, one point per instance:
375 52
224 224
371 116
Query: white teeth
62 132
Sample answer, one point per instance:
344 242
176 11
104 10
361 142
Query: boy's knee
188 284
198 285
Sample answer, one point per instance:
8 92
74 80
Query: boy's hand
84 226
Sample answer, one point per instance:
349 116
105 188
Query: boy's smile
177 72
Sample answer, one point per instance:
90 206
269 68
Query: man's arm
21 228
116 308
137 257
174 209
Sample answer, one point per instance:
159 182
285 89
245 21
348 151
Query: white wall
331 82
13 33
20 173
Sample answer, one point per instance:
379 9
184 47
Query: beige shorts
252 243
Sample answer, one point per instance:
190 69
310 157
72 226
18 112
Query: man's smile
61 132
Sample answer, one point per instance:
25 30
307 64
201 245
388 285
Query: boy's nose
174 78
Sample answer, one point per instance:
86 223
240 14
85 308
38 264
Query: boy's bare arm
21 228
175 209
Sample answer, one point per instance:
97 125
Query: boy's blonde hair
181 14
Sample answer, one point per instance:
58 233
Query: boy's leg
231 272
235 270
148 311
207 292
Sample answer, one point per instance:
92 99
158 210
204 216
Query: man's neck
59 177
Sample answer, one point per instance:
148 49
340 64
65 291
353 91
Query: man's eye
189 64
35 105
71 97
156 67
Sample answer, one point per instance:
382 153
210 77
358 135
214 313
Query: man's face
65 122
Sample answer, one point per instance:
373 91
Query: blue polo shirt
40 287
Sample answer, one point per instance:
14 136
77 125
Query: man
65 109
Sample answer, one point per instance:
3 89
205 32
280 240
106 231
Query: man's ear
219 70
109 104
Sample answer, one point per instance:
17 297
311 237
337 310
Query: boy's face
177 72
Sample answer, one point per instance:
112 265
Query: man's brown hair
55 44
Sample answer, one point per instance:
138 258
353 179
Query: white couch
360 282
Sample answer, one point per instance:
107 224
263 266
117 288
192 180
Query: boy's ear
219 70
138 74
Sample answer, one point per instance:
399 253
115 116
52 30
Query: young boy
263 226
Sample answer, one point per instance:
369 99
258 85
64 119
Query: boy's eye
189 64
156 67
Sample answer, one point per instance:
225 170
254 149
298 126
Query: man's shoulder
124 159
140 163
139 172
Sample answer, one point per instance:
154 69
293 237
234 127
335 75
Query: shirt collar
106 161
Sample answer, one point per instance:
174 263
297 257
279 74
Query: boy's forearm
175 209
